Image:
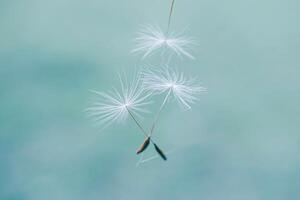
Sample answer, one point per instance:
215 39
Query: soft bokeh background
241 141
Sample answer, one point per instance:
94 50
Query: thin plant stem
170 15
139 125
159 111
142 129
136 122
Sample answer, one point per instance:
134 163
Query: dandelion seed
144 146
160 152
166 80
116 105
152 38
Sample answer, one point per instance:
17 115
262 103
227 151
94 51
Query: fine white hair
184 90
152 38
114 105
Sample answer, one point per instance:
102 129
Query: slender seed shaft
170 15
159 111
139 125
159 151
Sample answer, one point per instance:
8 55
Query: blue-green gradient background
241 140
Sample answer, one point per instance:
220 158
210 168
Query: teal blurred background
241 141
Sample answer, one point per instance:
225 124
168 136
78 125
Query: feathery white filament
152 38
114 106
183 89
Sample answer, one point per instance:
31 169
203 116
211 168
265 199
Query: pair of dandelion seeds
130 100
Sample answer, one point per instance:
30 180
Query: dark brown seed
143 146
160 152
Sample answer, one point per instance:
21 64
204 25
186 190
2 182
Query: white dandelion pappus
116 105
152 38
184 90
